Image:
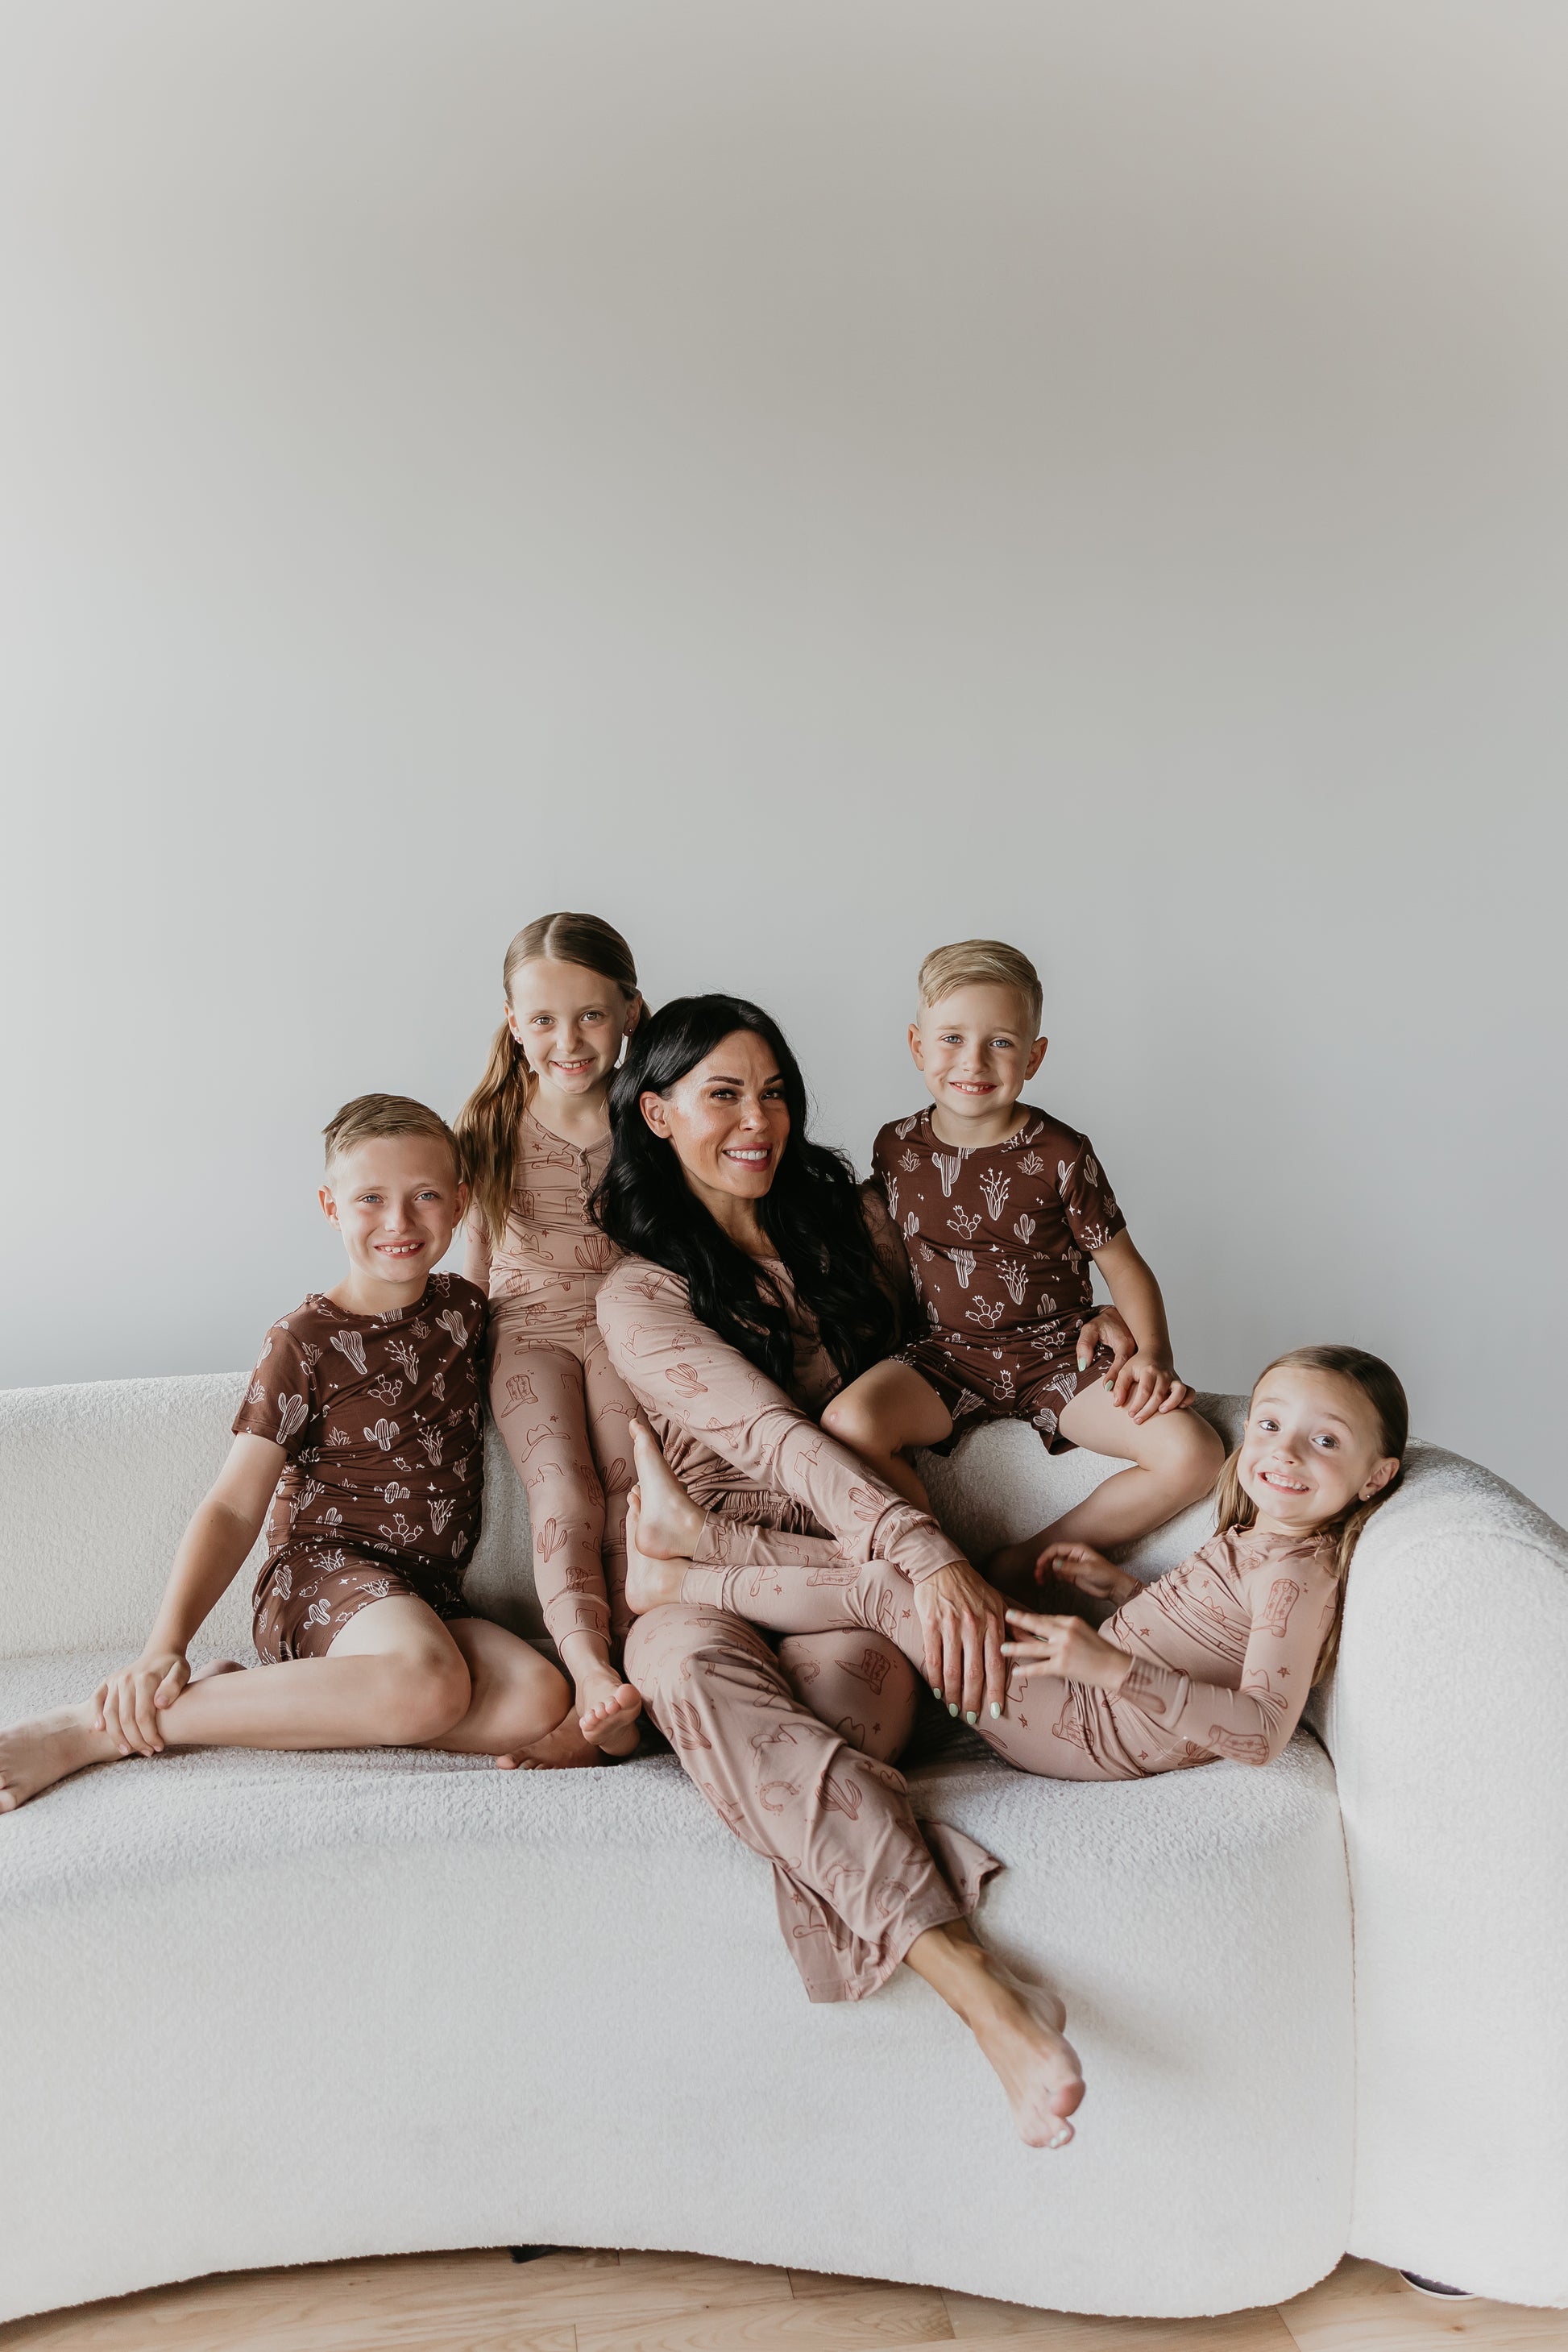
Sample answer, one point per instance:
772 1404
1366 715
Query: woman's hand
961 1617
1067 1647
1145 1384
128 1702
1089 1572
1106 1328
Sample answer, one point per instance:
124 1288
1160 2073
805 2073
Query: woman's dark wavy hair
811 1214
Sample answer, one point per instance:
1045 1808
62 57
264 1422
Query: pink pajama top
743 1447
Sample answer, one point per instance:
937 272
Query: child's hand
1087 1571
128 1702
1145 1385
1070 1648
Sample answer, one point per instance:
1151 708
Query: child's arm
1146 1381
476 1253
211 1551
1293 1606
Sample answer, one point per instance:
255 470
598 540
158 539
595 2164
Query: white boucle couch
260 2009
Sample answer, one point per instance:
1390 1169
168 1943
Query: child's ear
1036 1056
917 1045
464 1196
634 1011
329 1206
1380 1477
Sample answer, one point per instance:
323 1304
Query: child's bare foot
669 1523
607 1711
564 1749
1020 2033
652 1582
34 1756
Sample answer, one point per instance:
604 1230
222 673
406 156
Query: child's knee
1196 1452
852 1423
426 1698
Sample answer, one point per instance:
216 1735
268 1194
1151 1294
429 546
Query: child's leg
393 1677
887 1409
521 1710
1174 1458
538 1398
612 1409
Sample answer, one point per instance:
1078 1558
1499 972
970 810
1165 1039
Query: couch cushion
272 2009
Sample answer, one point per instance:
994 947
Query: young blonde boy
1002 1210
359 1444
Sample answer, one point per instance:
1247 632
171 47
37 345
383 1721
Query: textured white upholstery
260 2009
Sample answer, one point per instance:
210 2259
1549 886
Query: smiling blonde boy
358 1443
1004 1210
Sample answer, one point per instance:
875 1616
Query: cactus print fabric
1224 1648
564 1412
382 1421
1000 1240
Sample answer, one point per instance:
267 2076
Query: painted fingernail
994 1708
952 1707
969 1715
934 1692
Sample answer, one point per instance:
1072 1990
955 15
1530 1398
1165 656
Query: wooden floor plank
1362 2307
976 2320
872 2318
583 2301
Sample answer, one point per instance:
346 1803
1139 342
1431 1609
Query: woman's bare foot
1020 2035
34 1756
1018 2027
607 1711
652 1581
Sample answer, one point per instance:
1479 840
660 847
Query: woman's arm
682 1371
211 1551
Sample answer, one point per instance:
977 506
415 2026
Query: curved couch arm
1447 1722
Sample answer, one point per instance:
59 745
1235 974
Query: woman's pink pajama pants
792 1749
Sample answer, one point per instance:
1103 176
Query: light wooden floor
686 2303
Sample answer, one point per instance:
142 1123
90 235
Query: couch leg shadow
530 2253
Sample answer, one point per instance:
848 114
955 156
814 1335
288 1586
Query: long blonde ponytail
488 1123
1381 1386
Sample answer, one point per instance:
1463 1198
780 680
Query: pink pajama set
792 1744
801 1538
556 1400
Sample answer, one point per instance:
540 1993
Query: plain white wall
806 482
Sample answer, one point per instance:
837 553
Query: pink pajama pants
791 1749
564 1411
1060 1730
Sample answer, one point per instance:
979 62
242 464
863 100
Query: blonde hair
969 963
369 1116
1383 1391
488 1123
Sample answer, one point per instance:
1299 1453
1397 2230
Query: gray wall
806 482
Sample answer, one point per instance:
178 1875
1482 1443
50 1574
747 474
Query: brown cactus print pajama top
380 1417
565 1414
999 1239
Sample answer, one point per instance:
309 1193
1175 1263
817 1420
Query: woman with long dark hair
751 1290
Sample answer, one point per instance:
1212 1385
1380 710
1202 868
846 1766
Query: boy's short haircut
369 1116
988 963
